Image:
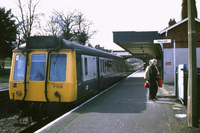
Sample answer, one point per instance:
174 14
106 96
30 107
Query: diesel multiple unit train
48 73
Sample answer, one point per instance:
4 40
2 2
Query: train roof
52 42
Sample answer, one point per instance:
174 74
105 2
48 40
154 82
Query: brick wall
180 34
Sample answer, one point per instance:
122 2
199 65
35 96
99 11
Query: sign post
174 45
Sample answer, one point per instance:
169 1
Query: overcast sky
114 15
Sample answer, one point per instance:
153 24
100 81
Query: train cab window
86 66
19 72
38 65
58 67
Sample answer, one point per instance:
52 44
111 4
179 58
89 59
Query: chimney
184 12
171 22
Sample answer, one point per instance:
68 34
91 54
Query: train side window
38 65
19 72
86 66
100 68
58 67
104 66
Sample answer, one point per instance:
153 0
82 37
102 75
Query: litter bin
182 84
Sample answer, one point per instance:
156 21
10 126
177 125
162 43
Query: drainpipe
25 89
47 69
25 74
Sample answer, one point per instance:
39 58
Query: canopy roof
139 44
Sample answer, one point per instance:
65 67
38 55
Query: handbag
146 85
159 82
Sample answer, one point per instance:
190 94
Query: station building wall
181 58
180 35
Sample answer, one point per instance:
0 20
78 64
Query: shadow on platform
129 96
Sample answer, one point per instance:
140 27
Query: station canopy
139 44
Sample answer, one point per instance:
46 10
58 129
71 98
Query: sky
113 15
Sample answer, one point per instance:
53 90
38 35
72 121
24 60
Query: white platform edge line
133 73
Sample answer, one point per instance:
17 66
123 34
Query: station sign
168 63
162 41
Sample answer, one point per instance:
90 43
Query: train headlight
18 92
57 94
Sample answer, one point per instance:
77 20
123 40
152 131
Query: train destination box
42 42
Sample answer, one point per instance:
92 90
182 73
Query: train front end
43 74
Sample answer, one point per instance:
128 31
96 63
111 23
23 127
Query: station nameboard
162 41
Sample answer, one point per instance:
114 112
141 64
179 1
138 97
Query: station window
38 65
58 67
20 62
86 66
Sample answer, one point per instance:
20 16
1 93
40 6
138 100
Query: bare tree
74 26
83 32
66 23
27 17
51 28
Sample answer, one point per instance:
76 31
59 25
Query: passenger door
89 69
36 76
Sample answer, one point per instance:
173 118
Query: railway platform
123 108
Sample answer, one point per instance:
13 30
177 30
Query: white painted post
174 44
162 61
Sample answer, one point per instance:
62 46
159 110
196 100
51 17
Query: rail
140 67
